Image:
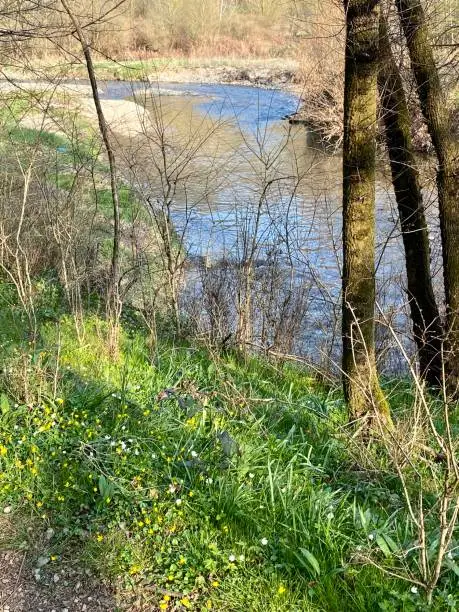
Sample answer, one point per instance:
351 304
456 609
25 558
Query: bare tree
114 303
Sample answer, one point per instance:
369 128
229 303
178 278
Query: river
244 177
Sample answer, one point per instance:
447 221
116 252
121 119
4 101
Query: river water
244 178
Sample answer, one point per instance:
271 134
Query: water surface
250 178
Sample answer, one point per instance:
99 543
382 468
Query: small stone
49 533
42 561
56 578
7 510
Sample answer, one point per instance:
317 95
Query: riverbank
321 108
261 72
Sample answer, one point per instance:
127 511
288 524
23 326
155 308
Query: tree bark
361 386
427 325
434 108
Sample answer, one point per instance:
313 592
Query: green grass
122 458
65 156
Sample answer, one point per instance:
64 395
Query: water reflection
240 178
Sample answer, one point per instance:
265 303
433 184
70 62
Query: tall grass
125 460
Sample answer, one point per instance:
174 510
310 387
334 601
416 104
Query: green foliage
125 459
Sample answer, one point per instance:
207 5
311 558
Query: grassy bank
199 480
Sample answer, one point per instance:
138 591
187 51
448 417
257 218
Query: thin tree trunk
427 325
435 111
114 303
361 386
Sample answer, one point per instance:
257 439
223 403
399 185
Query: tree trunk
361 386
435 111
427 325
114 303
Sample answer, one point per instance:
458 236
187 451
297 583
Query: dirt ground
26 585
67 590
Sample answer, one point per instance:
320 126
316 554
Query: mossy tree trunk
361 386
427 325
435 110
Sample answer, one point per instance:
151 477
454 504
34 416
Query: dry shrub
321 72
188 27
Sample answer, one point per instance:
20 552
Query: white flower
194 453
172 488
414 589
264 542
450 555
178 501
209 481
232 558
371 536
251 475
330 516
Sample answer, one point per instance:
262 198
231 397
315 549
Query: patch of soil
59 586
65 589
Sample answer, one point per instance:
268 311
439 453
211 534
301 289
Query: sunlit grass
126 459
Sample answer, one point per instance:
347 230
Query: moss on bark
427 325
435 111
361 386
